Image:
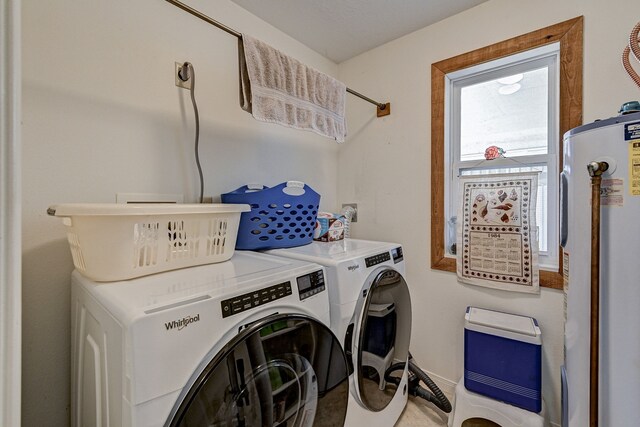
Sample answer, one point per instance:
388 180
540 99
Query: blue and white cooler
503 357
502 371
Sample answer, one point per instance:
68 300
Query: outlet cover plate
179 82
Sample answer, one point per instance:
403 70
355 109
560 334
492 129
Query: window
511 103
521 95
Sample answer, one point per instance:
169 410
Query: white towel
279 89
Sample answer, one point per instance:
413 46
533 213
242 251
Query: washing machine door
284 371
381 332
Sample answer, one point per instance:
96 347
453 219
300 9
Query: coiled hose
435 396
634 46
348 212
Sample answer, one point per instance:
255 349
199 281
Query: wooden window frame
570 36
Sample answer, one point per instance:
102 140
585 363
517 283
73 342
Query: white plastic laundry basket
112 242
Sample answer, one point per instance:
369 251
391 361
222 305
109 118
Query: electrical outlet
179 82
354 218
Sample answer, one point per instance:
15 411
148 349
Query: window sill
548 279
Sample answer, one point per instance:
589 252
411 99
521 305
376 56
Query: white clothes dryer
245 342
371 315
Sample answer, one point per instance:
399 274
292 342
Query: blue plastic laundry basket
281 217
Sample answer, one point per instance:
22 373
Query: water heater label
632 131
634 168
612 192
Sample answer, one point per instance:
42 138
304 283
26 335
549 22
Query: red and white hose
634 46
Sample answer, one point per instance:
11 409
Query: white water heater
615 141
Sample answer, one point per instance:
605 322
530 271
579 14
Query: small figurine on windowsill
493 152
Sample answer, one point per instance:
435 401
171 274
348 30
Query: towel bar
383 109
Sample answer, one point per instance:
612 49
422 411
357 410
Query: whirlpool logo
182 323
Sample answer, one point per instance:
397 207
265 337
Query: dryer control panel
377 259
310 284
397 254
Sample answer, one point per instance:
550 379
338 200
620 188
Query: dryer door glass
383 339
281 371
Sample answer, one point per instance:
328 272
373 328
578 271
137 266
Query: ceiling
342 29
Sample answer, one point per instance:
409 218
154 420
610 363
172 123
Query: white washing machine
371 316
245 342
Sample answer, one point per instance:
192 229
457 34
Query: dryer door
382 332
284 370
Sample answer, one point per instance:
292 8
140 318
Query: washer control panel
377 259
250 300
310 284
397 254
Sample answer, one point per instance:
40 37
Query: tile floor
419 413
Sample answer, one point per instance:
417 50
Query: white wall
385 165
102 115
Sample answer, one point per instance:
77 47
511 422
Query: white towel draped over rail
383 109
276 88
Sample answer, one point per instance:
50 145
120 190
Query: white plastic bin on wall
112 242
